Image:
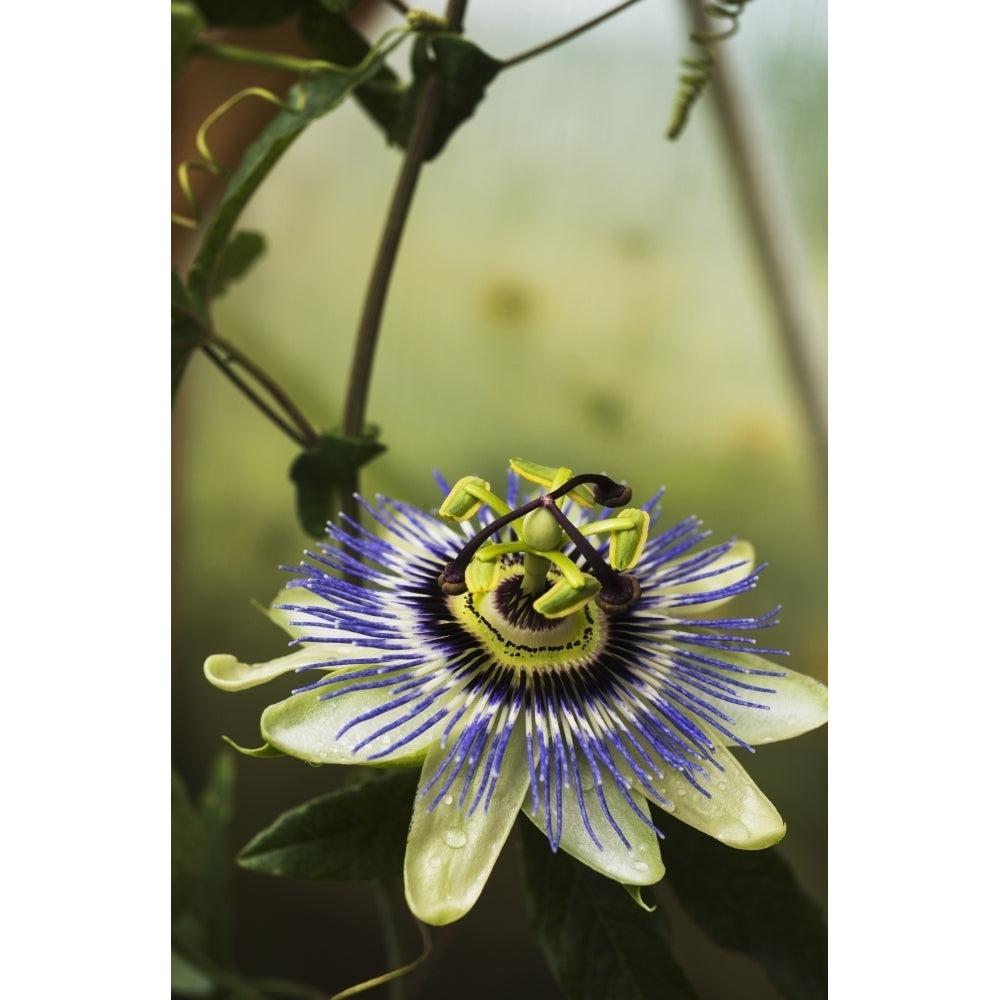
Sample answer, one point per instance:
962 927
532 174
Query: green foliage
306 101
340 6
465 70
355 833
598 943
335 39
200 870
187 333
186 24
240 254
324 471
750 901
247 13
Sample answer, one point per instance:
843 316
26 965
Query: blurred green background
572 289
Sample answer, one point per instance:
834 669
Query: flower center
542 533
516 636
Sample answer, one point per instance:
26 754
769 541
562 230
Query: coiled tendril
699 74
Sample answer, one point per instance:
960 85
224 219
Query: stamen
619 592
606 492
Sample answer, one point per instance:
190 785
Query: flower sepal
265 751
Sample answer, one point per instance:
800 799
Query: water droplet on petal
734 832
454 837
434 862
448 799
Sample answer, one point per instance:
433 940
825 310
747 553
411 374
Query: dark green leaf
240 253
750 901
216 808
186 24
336 40
598 943
466 72
340 6
186 980
356 833
311 99
320 473
188 852
247 13
186 333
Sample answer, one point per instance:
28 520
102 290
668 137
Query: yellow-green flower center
518 637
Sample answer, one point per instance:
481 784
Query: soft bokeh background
572 289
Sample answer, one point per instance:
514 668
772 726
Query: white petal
797 704
314 626
311 729
737 813
228 673
449 854
740 552
638 864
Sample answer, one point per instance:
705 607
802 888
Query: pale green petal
449 854
738 813
741 551
228 673
283 618
306 727
640 865
798 704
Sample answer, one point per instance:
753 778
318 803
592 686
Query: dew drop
733 832
448 799
434 862
454 837
681 792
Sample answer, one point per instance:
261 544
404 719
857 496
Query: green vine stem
255 57
307 434
366 340
775 237
567 36
225 355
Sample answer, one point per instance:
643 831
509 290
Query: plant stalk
366 341
775 237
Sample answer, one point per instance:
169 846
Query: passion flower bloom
543 655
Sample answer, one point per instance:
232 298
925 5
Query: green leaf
216 809
247 13
750 901
599 945
186 24
239 255
186 980
355 833
340 6
335 39
305 102
321 472
466 72
201 866
186 335
188 852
